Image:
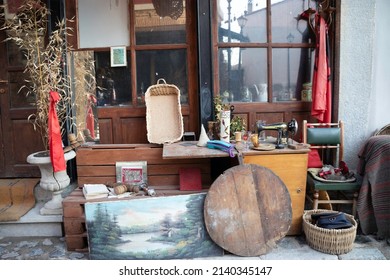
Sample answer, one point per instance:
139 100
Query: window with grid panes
155 34
265 54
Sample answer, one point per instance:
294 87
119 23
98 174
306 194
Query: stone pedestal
55 182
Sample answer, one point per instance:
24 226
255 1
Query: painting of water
150 228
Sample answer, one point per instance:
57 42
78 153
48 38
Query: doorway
17 136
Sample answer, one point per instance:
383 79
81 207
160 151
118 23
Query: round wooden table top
247 210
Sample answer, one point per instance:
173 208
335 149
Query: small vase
225 126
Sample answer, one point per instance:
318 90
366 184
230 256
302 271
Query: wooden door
159 47
17 136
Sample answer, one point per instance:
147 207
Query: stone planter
55 182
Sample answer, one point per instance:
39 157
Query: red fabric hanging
321 86
55 142
90 116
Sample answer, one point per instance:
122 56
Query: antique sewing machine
285 130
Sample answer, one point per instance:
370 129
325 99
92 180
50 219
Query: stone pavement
289 248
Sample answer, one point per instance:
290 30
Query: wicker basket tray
330 241
164 121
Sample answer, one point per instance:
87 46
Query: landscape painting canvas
150 228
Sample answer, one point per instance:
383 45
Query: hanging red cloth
90 117
321 86
55 141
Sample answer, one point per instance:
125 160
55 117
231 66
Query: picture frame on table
131 172
118 56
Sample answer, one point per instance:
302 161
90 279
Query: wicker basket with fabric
330 241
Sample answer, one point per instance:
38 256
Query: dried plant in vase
45 63
52 88
84 88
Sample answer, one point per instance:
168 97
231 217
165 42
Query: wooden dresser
291 167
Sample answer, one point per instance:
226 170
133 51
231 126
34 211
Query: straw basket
330 241
164 121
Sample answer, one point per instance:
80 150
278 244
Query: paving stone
36 252
76 256
27 244
47 242
57 254
363 254
10 255
5 244
288 243
288 248
362 239
303 253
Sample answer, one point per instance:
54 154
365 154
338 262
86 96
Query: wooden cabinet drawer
292 170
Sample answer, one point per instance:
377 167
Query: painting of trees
169 227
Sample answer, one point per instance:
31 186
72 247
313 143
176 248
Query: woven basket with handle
164 121
330 241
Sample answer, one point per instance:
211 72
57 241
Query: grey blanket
373 205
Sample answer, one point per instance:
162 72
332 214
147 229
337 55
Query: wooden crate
96 164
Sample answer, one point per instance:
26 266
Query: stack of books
94 191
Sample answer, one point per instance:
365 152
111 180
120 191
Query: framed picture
149 228
118 56
131 172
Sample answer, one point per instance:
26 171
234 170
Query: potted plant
237 124
50 85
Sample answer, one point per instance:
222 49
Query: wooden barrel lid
247 210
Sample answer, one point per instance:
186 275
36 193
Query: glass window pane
243 74
291 69
242 21
103 23
285 26
169 65
160 22
113 83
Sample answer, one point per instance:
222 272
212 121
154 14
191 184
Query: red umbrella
321 90
55 141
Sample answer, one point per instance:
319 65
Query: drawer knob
299 190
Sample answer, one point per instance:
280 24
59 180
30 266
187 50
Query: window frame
268 45
110 117
270 111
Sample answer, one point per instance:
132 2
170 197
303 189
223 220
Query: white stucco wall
380 103
364 72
